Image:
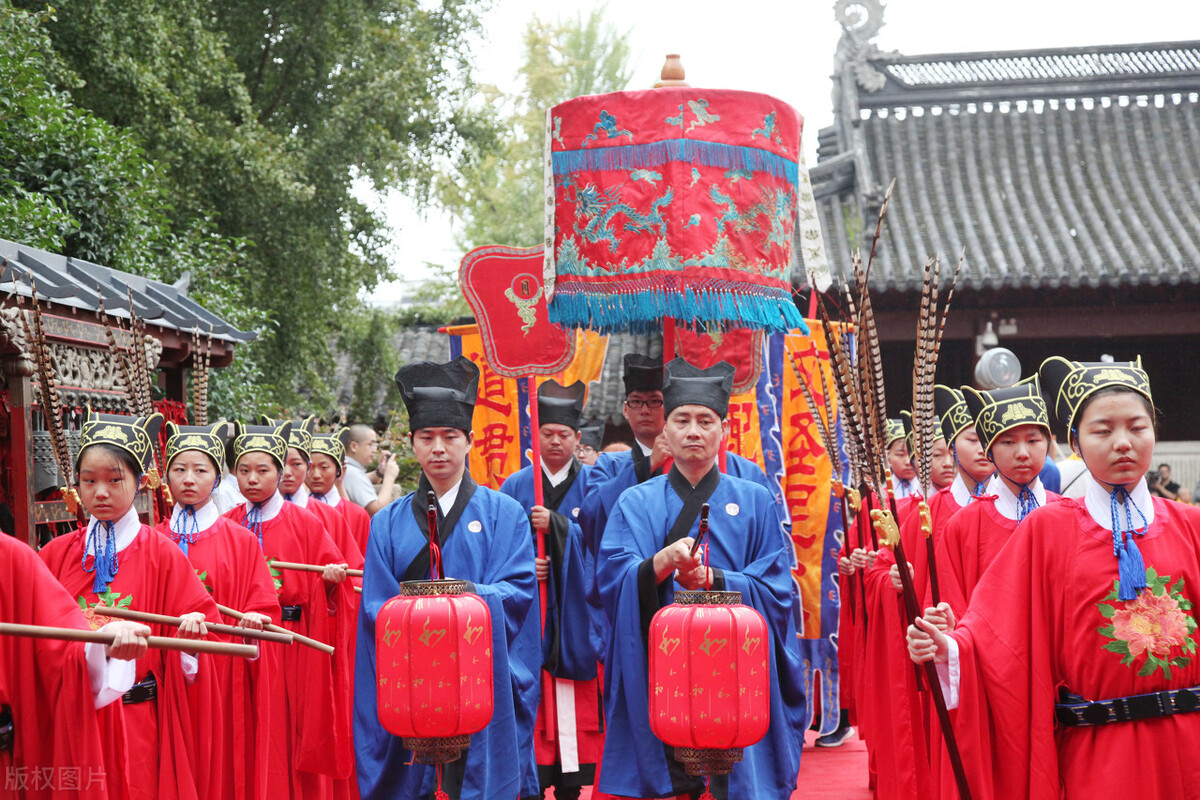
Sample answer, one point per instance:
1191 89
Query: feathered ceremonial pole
884 518
931 323
50 403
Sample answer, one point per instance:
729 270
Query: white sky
783 48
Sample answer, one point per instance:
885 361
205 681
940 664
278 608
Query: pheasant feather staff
884 518
119 357
49 401
931 323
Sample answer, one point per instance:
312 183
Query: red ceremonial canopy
672 203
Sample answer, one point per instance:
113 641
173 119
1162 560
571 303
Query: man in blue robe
568 736
485 539
645 554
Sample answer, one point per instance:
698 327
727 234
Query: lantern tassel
440 794
707 790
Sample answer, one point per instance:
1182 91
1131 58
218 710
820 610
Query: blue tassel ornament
104 562
1131 569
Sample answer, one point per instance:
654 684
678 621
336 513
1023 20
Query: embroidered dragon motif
600 210
608 126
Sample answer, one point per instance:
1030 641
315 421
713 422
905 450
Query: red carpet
826 773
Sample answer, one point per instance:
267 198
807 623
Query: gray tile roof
74 283
1053 169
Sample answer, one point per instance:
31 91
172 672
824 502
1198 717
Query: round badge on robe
475 526
732 509
575 511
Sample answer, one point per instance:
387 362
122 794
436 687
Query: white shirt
908 488
1006 501
330 498
271 508
646 451
300 496
227 496
358 487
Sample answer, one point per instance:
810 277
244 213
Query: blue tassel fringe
690 151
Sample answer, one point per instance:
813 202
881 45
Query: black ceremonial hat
1069 383
592 433
301 435
893 430
951 407
333 445
134 435
642 373
208 439
561 405
998 410
684 384
439 395
906 421
269 439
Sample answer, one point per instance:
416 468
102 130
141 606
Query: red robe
45 685
1040 618
968 544
228 562
900 709
335 525
169 740
357 520
310 737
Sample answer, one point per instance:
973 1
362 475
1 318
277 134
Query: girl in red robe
229 563
292 485
309 743
52 740
1076 655
326 462
118 561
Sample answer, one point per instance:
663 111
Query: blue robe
497 557
568 648
747 552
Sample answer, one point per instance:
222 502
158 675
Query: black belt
6 729
290 614
141 692
1073 711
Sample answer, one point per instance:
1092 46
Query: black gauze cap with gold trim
561 405
999 410
269 439
1068 384
208 439
893 430
439 395
301 435
952 409
906 421
684 384
134 435
332 445
642 373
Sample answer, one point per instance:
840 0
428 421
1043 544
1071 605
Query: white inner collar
959 490
446 501
206 516
556 478
300 496
271 508
646 451
126 530
1006 501
1098 500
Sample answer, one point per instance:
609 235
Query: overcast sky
783 48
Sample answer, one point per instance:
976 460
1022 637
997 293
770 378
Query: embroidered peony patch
1157 624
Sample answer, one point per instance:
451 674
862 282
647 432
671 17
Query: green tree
262 118
499 197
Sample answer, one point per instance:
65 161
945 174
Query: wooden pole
538 496
298 638
298 567
216 627
157 642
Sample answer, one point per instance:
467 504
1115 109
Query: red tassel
707 794
439 794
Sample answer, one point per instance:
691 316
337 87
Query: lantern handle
703 531
435 552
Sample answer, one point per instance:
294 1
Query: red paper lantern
709 679
433 664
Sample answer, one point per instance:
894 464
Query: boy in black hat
485 540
